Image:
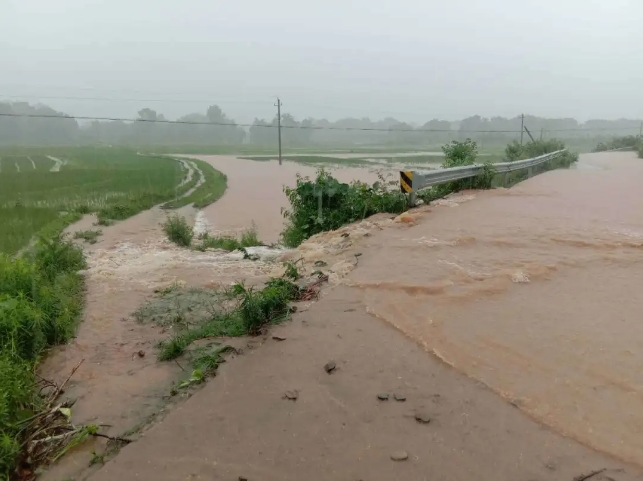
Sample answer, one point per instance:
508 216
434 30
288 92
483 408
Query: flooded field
255 192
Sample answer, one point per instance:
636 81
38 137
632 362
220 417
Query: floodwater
255 192
533 290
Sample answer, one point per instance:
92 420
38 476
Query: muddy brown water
255 192
531 291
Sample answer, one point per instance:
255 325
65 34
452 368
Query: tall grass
40 305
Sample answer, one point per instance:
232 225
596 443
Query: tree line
151 128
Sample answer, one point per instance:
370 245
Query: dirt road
530 294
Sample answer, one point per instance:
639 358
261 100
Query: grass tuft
178 230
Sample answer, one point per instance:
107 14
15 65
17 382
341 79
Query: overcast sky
411 59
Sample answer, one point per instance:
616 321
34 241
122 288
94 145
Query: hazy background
414 60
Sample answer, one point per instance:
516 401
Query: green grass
41 296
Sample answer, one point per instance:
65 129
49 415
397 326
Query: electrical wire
296 127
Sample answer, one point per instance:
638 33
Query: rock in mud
399 397
278 338
141 353
291 395
330 366
382 396
400 456
422 418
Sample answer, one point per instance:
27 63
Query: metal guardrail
412 181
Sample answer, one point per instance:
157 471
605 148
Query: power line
299 127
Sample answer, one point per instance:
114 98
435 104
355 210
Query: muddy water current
535 291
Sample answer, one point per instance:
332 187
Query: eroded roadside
120 385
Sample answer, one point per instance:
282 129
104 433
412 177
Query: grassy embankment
41 297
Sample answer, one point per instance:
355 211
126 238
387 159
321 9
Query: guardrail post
530 172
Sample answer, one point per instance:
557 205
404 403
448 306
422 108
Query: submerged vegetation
197 314
178 230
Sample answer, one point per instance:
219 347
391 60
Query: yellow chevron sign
406 181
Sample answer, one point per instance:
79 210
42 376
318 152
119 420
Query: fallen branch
583 477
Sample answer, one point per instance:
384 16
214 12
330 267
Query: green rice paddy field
43 190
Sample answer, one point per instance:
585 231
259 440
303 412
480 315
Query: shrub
178 231
40 304
326 204
459 153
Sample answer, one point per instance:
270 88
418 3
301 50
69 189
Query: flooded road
535 292
531 290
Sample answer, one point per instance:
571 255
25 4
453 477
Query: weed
89 236
249 238
178 231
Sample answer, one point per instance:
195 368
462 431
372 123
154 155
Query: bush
457 153
178 231
325 204
40 305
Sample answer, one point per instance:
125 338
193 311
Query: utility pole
522 127
278 105
641 131
541 133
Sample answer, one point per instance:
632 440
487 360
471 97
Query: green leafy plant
324 203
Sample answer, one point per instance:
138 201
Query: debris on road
330 366
291 395
422 418
382 396
400 456
278 338
399 397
